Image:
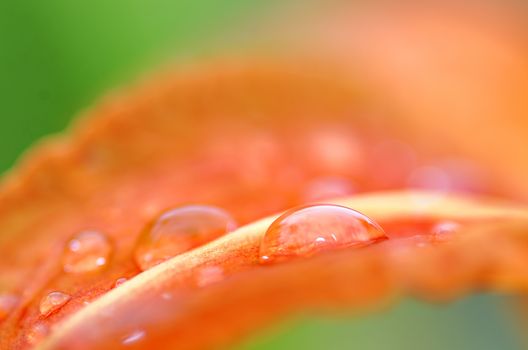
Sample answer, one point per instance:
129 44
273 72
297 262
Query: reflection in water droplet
87 251
52 302
133 337
7 303
307 230
179 230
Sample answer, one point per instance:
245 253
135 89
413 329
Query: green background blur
58 56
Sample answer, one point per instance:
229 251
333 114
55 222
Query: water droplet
307 230
179 230
86 252
133 337
52 302
120 281
7 303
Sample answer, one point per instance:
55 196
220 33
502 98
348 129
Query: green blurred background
58 56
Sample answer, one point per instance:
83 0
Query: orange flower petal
164 145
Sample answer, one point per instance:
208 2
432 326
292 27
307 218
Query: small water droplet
133 337
86 252
120 281
179 230
52 302
307 230
7 303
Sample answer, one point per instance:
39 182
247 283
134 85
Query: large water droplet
85 252
307 230
7 303
52 302
179 230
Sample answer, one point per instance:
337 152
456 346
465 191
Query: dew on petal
86 252
53 302
179 230
305 231
7 304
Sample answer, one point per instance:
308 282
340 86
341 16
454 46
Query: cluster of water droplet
86 252
338 164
